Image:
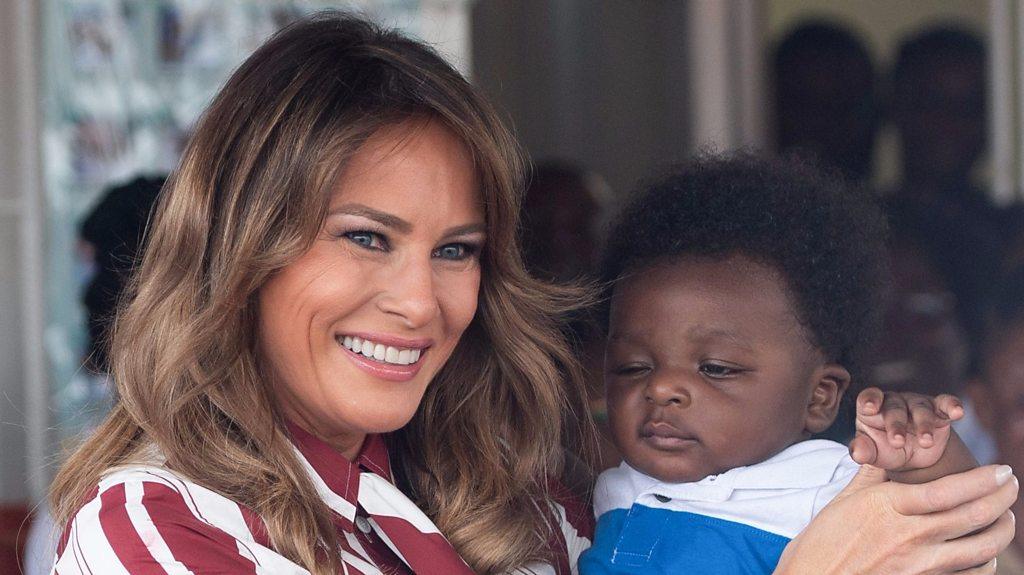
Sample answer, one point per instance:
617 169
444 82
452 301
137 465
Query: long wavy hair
248 198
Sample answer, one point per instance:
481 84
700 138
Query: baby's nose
668 392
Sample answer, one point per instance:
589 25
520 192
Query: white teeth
380 352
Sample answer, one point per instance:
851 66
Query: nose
410 293
667 392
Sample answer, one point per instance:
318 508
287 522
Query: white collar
806 464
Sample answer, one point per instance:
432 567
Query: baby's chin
674 472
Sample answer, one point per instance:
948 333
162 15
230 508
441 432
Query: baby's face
707 367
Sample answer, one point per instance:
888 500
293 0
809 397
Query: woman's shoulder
140 517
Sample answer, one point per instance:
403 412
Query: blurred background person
923 346
563 212
938 107
113 232
998 392
826 104
939 101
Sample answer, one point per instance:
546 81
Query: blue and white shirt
735 522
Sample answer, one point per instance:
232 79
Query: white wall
601 83
22 383
622 88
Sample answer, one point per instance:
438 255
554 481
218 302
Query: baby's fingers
894 412
950 406
869 401
863 449
925 418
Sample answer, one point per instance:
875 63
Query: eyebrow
396 223
716 333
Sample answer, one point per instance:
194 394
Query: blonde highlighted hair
248 198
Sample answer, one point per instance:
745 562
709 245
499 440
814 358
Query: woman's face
356 328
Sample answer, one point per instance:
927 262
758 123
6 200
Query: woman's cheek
460 297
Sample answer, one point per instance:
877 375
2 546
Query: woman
335 260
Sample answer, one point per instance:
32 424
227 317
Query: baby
744 294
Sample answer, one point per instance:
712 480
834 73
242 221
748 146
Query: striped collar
367 485
336 473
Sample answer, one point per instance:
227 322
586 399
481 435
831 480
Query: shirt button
363 525
662 498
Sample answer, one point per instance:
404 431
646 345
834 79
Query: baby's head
744 293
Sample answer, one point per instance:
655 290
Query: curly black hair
826 239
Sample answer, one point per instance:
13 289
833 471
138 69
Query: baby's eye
368 240
717 370
629 370
456 252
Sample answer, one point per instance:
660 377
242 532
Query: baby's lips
664 429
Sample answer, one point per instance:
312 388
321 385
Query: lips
379 351
664 435
384 357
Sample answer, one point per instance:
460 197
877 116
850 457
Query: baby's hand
900 431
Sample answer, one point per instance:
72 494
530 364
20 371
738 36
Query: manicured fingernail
1013 518
1003 474
927 437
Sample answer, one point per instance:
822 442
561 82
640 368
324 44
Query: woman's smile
383 350
399 362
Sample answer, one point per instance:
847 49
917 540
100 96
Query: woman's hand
956 524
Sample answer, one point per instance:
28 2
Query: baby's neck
762 460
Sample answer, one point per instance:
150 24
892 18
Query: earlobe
830 383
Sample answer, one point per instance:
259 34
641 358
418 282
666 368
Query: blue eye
455 252
368 240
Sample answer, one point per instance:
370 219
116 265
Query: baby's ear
830 382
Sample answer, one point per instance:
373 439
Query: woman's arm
958 523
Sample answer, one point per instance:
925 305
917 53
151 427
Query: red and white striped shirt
144 520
